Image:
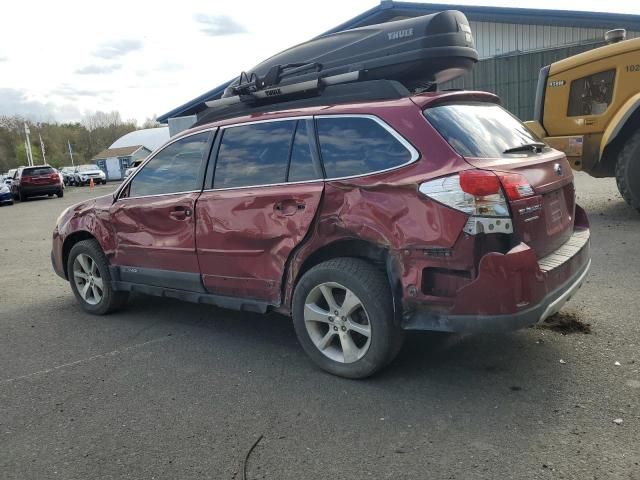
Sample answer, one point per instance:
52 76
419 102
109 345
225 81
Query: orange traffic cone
91 184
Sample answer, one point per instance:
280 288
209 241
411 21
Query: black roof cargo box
417 53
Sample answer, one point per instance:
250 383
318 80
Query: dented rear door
264 195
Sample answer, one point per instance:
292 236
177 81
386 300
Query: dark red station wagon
438 211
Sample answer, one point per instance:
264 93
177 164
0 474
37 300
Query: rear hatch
490 138
39 176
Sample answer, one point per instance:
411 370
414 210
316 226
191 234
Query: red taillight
479 183
515 186
25 179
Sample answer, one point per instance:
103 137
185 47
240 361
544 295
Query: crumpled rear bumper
511 291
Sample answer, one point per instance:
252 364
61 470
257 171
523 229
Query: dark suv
36 181
439 211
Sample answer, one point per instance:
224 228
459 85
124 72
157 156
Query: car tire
21 196
60 194
363 336
628 171
88 265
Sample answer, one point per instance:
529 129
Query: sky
60 60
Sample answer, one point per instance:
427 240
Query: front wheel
88 271
344 318
628 171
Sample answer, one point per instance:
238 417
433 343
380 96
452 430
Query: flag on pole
28 144
70 152
44 158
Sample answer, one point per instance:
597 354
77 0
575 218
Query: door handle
289 207
180 213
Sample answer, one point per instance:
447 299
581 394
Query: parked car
135 164
68 175
36 181
6 198
9 177
440 211
84 174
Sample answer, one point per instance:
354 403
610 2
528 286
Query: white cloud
117 48
98 69
218 25
16 102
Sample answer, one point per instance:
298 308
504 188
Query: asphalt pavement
171 390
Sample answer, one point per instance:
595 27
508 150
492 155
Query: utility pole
44 159
28 144
70 153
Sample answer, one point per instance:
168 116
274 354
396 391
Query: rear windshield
483 130
35 172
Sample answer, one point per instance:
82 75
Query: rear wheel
628 171
60 193
21 196
344 318
88 271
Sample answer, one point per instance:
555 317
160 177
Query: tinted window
591 95
302 167
35 172
353 146
482 130
174 169
254 155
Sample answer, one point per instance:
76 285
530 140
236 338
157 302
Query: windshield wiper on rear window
533 147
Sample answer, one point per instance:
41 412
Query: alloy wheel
87 279
337 322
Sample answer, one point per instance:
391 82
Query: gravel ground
170 390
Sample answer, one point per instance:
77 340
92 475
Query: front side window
174 169
591 95
256 154
358 145
480 130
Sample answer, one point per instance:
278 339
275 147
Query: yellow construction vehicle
588 106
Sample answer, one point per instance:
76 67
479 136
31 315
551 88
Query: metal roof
117 152
390 9
150 138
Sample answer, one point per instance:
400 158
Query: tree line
93 134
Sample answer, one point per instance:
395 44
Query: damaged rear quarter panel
386 209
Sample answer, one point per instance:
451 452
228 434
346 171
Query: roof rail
368 91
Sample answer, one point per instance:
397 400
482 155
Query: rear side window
36 172
174 169
302 166
255 154
357 145
482 130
